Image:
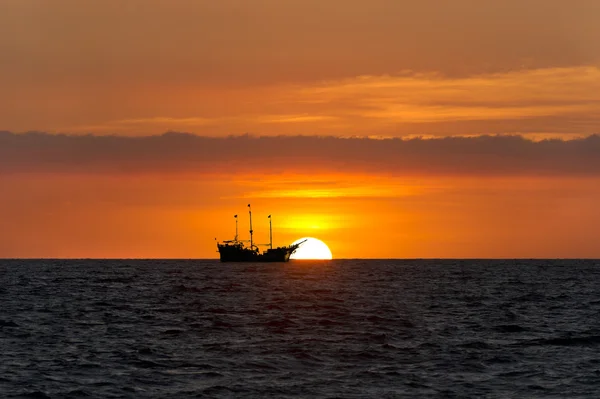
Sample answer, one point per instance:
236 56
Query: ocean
313 329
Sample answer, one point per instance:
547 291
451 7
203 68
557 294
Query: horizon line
303 260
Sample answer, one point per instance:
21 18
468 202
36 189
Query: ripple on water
431 328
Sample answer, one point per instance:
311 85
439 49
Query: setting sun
312 248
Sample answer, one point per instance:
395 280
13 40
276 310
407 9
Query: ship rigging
236 251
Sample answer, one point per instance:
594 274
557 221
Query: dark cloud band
187 153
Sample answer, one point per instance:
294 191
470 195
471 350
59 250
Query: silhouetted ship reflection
237 251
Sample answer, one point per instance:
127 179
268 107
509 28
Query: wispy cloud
530 101
334 185
293 118
124 125
419 97
193 121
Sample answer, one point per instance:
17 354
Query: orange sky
152 217
171 195
354 68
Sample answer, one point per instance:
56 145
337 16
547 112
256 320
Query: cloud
433 97
554 100
293 118
255 156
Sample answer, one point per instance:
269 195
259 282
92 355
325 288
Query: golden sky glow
351 77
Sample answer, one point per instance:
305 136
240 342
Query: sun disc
313 248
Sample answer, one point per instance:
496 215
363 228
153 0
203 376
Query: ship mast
236 228
250 213
270 233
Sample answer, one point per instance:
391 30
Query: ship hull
238 253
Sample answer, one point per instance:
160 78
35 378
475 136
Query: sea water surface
337 329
